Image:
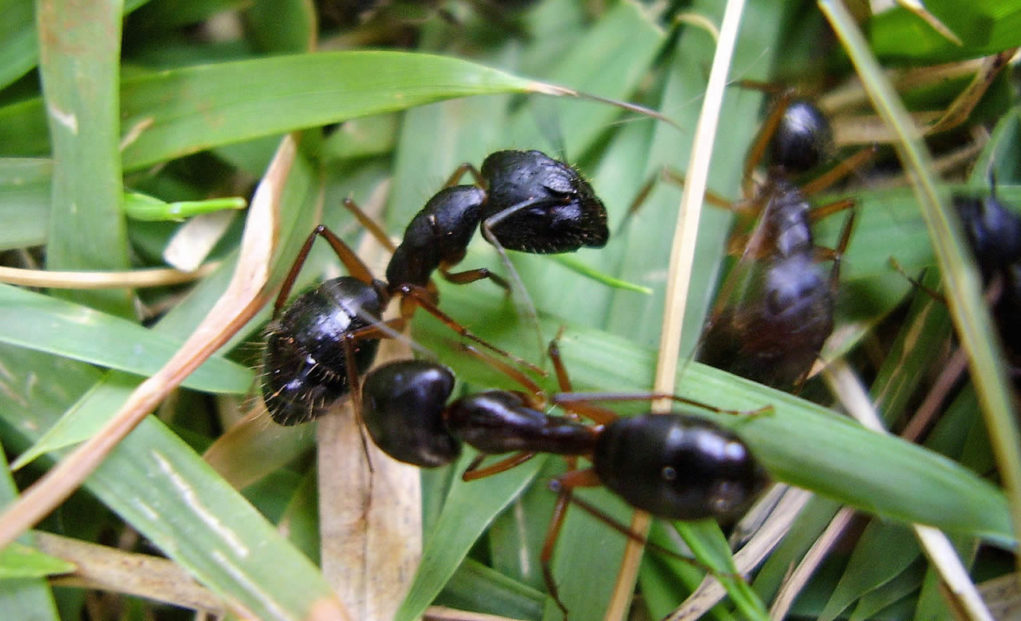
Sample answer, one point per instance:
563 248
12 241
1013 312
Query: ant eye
668 473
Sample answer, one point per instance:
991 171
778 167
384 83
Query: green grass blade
469 509
19 47
165 490
24 201
79 51
29 598
180 111
970 314
18 561
47 324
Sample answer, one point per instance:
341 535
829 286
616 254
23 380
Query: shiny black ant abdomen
993 230
994 234
678 467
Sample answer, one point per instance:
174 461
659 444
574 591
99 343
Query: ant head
803 138
541 205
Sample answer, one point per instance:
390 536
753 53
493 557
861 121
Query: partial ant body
676 466
994 234
775 310
328 336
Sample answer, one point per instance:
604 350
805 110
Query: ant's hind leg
469 276
355 266
370 225
461 171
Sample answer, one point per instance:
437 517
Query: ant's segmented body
328 336
775 310
676 466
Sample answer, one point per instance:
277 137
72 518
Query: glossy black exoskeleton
676 466
523 200
993 230
775 309
994 234
305 368
328 336
803 138
438 235
319 345
541 205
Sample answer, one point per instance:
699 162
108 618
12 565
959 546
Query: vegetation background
119 120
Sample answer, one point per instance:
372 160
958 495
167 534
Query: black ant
676 466
994 234
328 336
773 316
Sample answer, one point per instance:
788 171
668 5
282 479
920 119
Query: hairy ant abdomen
304 370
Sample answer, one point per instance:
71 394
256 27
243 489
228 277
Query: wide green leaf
47 324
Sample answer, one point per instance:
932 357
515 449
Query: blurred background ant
677 466
775 308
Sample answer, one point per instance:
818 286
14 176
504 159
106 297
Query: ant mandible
328 336
676 466
775 309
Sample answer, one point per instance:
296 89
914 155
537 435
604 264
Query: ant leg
467 276
461 171
536 395
564 490
714 199
370 225
356 404
630 534
525 305
761 143
473 472
420 297
824 211
843 168
838 253
354 265
572 399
